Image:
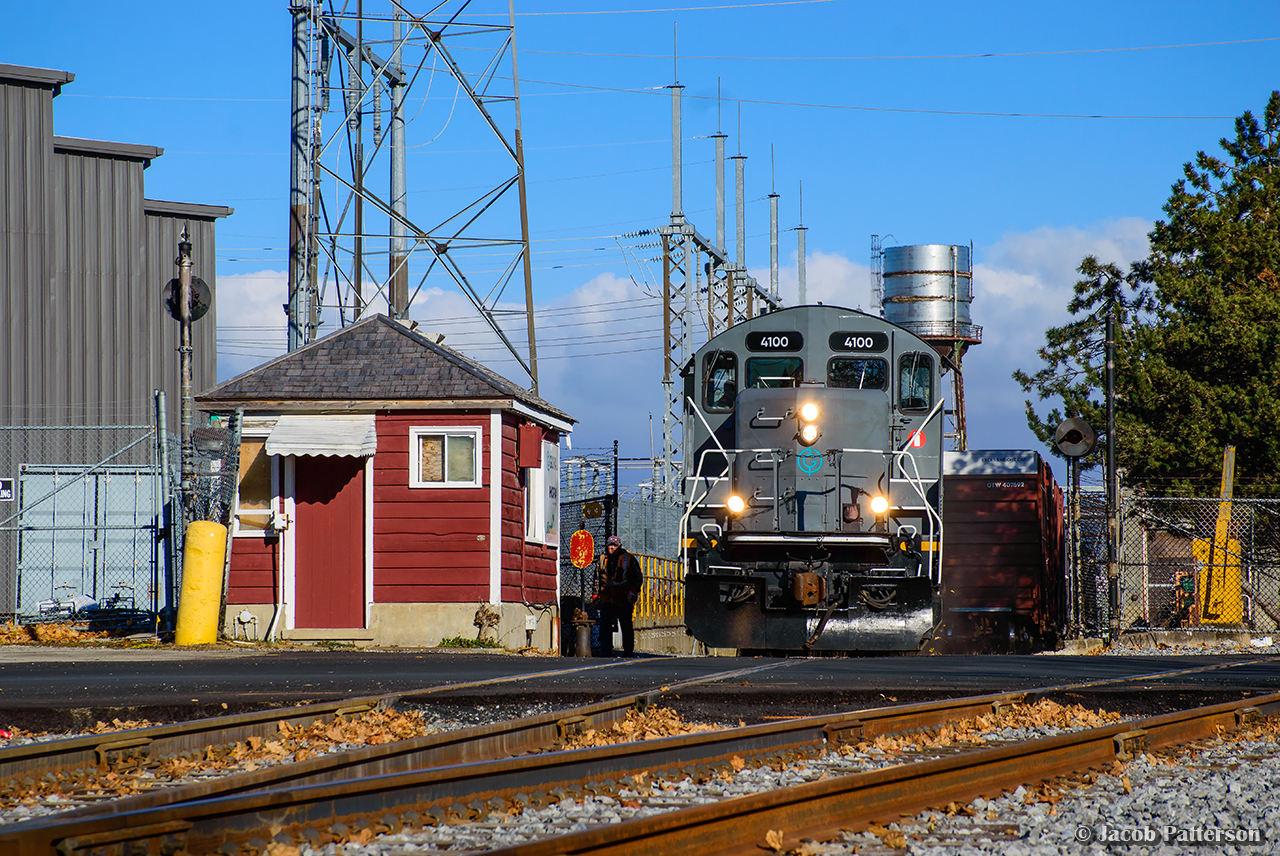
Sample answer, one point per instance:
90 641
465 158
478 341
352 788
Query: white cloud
251 320
600 346
600 360
829 278
1021 289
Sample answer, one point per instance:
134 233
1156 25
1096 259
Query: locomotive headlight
808 412
808 434
736 503
879 505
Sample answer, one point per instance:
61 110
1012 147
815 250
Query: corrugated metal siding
26 121
98 278
86 333
162 332
1003 560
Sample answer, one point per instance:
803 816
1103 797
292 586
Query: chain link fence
1185 564
1090 607
82 515
597 516
651 528
91 518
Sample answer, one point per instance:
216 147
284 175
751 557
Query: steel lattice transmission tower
703 291
352 240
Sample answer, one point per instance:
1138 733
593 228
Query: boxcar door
329 539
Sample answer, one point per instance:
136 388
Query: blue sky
1037 132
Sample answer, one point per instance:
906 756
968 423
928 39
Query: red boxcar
1003 569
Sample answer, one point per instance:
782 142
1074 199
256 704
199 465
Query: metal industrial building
84 259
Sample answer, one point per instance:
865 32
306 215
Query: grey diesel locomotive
813 467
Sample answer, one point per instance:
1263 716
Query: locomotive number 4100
788 340
845 340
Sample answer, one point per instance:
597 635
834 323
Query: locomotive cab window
857 373
719 380
774 372
915 382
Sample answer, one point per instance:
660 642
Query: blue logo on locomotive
809 461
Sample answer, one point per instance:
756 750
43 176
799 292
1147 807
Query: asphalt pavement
63 686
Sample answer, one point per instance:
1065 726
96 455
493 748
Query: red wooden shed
390 491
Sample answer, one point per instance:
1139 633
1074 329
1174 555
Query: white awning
338 436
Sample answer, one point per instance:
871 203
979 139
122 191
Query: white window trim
236 530
534 505
415 463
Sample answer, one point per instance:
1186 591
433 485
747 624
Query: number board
851 340
782 340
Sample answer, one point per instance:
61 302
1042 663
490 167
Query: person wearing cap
618 583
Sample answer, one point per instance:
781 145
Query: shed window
857 373
915 382
774 372
444 457
720 380
254 490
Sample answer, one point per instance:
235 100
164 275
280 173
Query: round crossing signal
1075 438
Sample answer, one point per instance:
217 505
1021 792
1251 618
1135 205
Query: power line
910 110
671 9
873 57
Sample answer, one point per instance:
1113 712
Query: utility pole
297 308
184 362
1113 485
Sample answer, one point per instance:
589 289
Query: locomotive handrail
684 518
918 487
925 421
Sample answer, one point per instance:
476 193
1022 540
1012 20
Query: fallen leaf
773 840
890 837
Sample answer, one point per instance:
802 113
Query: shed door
329 539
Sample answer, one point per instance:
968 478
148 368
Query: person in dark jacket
618 583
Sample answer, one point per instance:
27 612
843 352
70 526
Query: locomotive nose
816 458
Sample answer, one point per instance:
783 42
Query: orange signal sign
582 548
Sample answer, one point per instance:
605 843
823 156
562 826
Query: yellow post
1220 595
201 584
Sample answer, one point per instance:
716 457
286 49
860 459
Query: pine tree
1075 353
1199 355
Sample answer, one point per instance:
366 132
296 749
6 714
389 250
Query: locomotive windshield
857 373
774 372
915 382
719 380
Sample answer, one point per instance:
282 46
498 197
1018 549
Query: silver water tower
927 290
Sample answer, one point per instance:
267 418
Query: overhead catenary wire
862 108
899 57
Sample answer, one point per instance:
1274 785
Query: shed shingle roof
376 358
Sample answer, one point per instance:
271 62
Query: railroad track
36 760
437 780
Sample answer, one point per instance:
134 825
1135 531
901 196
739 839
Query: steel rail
487 742
105 750
372 782
375 794
35 760
821 810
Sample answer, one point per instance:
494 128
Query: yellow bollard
201 584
